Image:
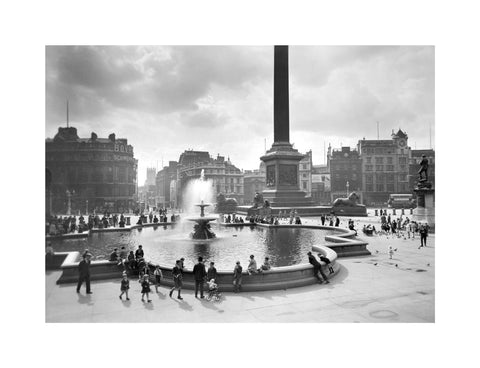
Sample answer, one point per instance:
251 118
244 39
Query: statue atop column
423 169
423 179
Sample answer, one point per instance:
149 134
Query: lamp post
86 207
69 201
348 185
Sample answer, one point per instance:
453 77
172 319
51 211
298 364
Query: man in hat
199 273
317 268
84 272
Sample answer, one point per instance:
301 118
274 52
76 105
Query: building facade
345 172
87 174
164 180
253 182
321 188
385 168
305 173
226 178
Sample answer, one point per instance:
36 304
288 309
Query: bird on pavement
375 264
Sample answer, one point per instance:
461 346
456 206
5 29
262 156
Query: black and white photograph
275 183
255 183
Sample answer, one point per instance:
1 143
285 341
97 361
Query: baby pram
213 293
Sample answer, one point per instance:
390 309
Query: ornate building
253 182
345 172
385 166
305 173
226 177
86 174
164 181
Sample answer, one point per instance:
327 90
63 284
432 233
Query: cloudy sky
220 99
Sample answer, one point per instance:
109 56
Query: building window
389 168
379 168
369 160
390 188
369 168
369 179
389 160
380 187
304 166
369 187
354 176
304 185
379 160
402 160
304 175
390 178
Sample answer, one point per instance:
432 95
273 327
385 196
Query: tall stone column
281 118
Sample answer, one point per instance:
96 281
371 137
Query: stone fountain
202 229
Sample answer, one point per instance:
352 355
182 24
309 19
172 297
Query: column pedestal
425 211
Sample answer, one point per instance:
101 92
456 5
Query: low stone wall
275 279
344 246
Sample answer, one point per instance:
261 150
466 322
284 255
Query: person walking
84 272
145 282
237 277
124 285
177 273
158 277
317 268
199 274
423 235
322 218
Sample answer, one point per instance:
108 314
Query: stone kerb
274 279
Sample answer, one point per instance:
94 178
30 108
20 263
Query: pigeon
396 265
395 249
375 264
376 251
428 264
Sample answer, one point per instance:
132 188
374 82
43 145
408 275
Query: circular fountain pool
164 244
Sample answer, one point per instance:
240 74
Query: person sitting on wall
276 221
139 252
252 265
155 219
317 268
114 257
298 221
132 263
327 262
266 266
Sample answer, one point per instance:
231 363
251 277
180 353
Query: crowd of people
58 225
134 263
61 225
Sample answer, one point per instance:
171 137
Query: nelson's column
282 160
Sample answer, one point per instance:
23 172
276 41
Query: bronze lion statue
351 201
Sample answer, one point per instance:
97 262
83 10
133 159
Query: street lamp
86 207
69 201
348 185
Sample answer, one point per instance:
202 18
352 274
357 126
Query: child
158 276
390 251
213 291
145 287
327 262
124 285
